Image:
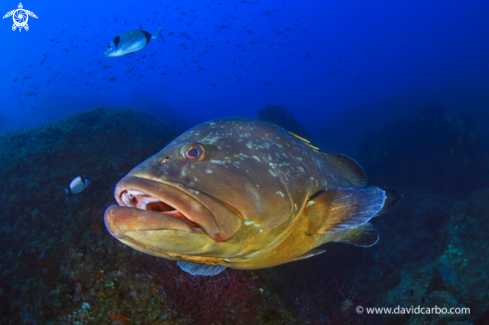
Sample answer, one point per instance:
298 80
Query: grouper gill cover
242 193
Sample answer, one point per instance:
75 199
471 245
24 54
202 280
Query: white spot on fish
273 173
219 162
278 192
213 140
195 179
183 173
295 207
255 157
249 223
261 230
310 203
208 171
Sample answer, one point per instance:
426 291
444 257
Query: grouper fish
245 194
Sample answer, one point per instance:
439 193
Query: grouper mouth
148 205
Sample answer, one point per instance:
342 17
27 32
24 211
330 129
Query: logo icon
20 17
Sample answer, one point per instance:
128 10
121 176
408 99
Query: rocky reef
58 262
278 115
60 266
433 147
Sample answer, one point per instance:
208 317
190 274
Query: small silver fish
131 41
79 184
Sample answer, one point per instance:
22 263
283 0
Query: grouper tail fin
392 199
340 209
157 35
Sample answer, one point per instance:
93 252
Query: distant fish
130 42
78 184
185 35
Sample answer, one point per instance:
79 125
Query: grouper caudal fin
393 197
339 209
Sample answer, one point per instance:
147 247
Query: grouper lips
146 204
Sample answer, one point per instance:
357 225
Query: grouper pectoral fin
348 168
364 236
342 208
200 269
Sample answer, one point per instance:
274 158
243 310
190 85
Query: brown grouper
242 193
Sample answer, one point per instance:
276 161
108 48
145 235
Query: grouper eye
193 152
109 47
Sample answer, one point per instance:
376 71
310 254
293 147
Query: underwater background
402 87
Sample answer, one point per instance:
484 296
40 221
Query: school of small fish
193 34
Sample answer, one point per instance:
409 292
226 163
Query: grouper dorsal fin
306 142
200 269
348 168
339 209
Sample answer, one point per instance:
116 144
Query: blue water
317 58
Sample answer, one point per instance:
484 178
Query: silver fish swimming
131 41
245 194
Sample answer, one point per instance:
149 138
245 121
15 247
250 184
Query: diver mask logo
20 17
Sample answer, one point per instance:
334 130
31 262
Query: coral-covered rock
437 310
54 243
433 148
463 250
